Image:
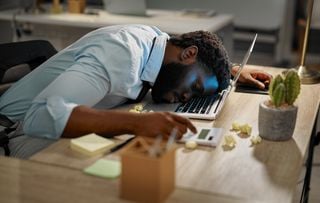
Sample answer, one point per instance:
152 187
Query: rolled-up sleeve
51 109
48 118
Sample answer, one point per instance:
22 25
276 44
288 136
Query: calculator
204 136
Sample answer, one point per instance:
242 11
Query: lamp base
308 76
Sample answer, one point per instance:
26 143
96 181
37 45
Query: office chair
17 59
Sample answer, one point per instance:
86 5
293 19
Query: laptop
126 7
206 108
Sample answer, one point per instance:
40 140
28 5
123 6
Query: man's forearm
84 120
108 123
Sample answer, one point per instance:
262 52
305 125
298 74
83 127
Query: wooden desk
29 181
65 28
267 172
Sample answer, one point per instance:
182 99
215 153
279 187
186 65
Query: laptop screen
244 61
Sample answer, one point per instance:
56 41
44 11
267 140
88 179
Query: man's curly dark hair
211 53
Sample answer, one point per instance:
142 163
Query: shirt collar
154 62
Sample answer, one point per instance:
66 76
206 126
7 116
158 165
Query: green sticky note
104 168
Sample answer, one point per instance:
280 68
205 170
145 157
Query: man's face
177 82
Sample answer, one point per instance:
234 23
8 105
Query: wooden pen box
145 178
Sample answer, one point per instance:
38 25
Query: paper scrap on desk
235 126
229 141
255 140
104 168
91 144
246 129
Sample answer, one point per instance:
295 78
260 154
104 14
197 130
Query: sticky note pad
91 144
104 168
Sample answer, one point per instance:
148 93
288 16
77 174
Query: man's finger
263 76
185 121
258 84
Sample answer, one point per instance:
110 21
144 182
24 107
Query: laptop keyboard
198 105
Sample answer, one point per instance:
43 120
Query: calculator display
203 134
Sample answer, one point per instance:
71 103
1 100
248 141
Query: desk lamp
307 76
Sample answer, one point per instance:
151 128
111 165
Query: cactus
292 83
274 83
278 96
285 90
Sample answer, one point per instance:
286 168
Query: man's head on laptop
195 64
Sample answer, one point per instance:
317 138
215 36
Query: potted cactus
277 116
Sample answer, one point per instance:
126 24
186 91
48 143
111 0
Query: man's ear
189 54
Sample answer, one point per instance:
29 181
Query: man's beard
170 77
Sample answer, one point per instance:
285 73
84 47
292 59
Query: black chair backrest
17 59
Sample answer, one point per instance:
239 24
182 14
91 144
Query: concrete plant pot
276 124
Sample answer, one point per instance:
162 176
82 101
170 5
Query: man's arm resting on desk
85 120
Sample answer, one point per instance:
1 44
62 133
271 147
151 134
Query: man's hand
253 77
162 123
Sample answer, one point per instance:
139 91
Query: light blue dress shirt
102 69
